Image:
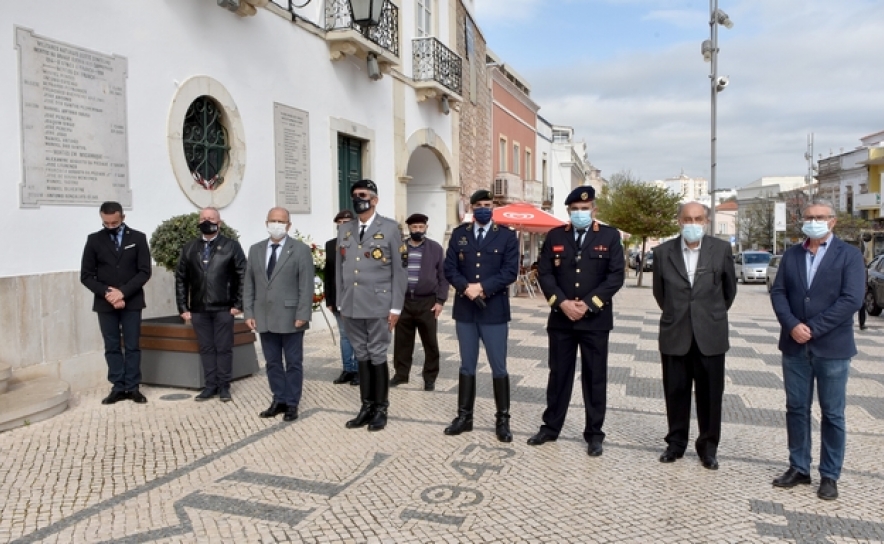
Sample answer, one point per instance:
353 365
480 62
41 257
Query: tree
756 224
645 211
849 227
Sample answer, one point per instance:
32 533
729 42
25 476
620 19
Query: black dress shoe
137 397
291 414
670 456
206 394
224 393
709 462
345 377
275 409
542 437
115 397
397 380
828 490
791 478
595 449
429 386
355 379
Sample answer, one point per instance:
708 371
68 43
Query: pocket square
130 245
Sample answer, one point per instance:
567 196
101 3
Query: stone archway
430 189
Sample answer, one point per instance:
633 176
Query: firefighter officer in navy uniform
481 262
580 268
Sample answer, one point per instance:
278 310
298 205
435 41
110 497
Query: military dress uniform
592 272
493 262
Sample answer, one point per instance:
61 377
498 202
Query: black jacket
217 287
127 270
331 250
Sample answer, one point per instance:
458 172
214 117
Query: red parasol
526 217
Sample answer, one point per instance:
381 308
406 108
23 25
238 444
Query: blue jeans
286 380
123 368
799 373
347 355
494 337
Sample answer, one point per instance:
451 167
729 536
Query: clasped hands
801 333
115 297
574 309
474 290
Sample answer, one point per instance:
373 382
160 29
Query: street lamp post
709 48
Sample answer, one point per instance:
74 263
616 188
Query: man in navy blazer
818 288
115 267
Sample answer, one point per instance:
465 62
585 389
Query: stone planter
170 353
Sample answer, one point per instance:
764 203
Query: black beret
416 218
343 214
481 194
364 184
581 194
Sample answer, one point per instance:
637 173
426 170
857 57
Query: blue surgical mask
581 218
815 229
692 233
482 215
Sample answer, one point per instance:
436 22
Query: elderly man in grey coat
278 299
372 275
694 284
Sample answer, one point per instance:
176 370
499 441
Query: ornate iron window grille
205 142
339 17
435 62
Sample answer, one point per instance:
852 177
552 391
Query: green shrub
168 240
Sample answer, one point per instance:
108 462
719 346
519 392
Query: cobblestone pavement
179 471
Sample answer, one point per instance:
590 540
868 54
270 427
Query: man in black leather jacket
208 289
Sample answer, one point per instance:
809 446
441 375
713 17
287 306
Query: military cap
416 218
481 194
343 214
364 184
581 194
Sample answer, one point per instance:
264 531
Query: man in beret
426 294
580 269
371 276
481 263
349 373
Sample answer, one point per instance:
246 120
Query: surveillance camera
721 83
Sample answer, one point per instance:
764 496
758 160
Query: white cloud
506 10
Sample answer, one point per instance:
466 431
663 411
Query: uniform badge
377 254
595 226
584 196
367 255
347 235
462 241
378 236
558 249
343 251
403 249
557 262
600 248
460 255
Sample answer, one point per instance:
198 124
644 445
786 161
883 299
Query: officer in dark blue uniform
581 268
481 262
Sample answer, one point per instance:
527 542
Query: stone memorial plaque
73 122
291 131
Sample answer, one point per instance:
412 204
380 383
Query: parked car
752 265
632 260
648 262
772 267
875 289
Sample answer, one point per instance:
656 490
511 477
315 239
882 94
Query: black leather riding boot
502 401
380 387
365 412
466 399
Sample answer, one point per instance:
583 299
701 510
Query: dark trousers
286 379
862 315
706 374
417 314
214 334
493 337
563 346
121 330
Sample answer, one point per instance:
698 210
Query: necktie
361 232
116 239
272 263
580 233
207 251
481 234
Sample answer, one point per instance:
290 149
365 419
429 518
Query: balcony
548 199
507 188
345 37
867 201
437 70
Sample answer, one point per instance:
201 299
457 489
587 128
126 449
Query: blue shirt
812 262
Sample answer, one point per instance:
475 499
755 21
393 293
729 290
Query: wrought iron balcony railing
435 62
385 35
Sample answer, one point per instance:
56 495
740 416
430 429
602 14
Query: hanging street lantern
367 13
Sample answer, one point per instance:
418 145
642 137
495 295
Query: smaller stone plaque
291 131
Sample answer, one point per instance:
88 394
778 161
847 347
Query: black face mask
361 205
207 227
417 236
112 231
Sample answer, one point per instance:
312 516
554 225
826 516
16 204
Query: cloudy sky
629 77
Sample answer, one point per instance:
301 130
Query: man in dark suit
371 275
208 291
350 373
581 268
427 293
818 288
278 303
695 284
115 267
481 262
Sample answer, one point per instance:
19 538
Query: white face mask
276 230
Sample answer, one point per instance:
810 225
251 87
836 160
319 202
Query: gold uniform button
479 254
355 271
576 285
478 265
477 276
355 283
578 270
357 259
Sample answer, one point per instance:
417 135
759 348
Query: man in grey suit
694 284
278 299
372 276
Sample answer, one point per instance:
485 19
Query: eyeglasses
818 217
362 195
